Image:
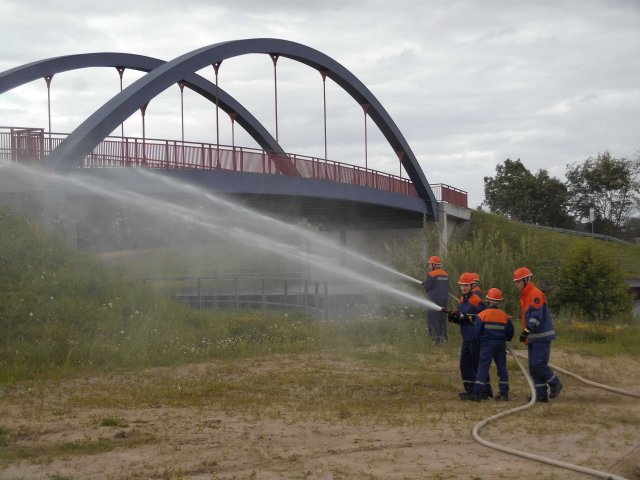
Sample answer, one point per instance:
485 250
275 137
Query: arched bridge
266 176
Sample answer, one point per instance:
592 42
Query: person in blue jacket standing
469 305
493 328
436 287
537 333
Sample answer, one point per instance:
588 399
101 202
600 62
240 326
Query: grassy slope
548 244
65 311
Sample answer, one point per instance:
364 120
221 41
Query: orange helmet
435 259
466 279
520 273
494 294
476 277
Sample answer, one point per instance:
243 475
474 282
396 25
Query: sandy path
52 428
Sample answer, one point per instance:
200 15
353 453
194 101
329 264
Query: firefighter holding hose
493 328
537 333
436 286
470 303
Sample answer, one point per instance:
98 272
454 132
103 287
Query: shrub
591 281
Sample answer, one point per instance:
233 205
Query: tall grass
495 246
63 311
66 311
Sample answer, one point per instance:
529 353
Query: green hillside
495 246
66 311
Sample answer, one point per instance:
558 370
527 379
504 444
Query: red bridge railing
32 145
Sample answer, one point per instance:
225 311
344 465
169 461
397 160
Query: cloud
468 83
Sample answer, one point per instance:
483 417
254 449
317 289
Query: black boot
554 390
470 397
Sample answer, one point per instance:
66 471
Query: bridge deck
33 145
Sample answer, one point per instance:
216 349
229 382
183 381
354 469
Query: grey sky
469 83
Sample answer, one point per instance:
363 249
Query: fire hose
540 458
532 401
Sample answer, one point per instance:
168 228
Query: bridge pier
453 222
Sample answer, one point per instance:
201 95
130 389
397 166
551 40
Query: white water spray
241 225
262 219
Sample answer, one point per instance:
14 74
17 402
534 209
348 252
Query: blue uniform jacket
469 304
436 286
493 325
536 316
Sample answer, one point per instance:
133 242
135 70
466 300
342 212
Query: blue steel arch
32 71
95 128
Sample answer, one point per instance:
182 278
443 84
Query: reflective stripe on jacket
536 316
493 324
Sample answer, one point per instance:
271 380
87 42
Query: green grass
65 312
79 447
67 315
4 436
114 421
602 339
495 246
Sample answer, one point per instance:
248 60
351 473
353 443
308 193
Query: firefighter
469 305
493 328
537 333
475 286
436 287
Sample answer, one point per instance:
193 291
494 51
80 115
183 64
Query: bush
592 282
496 246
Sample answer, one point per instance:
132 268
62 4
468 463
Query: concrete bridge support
379 243
453 222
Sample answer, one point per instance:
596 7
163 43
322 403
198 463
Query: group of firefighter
485 328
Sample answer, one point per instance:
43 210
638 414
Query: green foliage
631 229
593 283
488 255
497 245
64 312
518 194
4 436
616 336
608 185
114 421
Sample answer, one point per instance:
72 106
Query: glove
524 335
455 317
470 318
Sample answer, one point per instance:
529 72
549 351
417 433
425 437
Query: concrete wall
453 221
383 244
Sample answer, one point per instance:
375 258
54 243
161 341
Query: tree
518 194
592 282
631 229
608 185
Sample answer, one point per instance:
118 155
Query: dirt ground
46 424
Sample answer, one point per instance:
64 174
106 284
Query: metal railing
581 233
33 145
449 194
251 291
